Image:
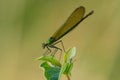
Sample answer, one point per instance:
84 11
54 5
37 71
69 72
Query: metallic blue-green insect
73 20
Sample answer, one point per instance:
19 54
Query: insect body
73 20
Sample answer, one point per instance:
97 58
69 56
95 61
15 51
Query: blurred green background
25 24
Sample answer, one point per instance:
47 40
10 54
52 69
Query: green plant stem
68 77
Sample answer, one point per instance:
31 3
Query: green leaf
69 63
68 68
54 70
66 55
51 72
63 68
73 52
50 59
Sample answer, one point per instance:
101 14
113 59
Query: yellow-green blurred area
25 24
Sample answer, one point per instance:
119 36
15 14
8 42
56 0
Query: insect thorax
51 40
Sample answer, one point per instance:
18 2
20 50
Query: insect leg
56 49
46 52
61 44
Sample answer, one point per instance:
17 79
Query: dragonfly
71 23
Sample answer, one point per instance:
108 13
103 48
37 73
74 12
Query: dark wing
73 20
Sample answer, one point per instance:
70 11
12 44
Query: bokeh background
25 24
